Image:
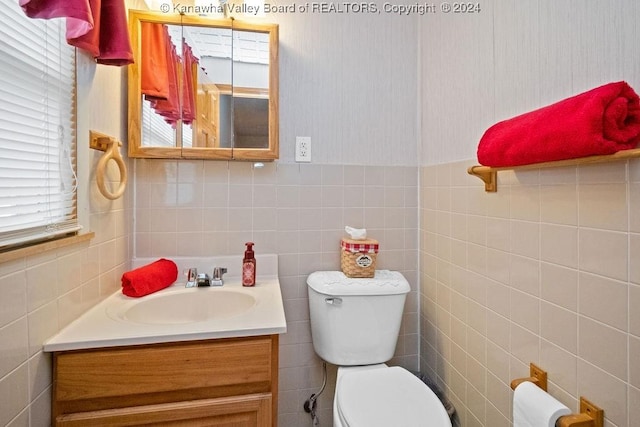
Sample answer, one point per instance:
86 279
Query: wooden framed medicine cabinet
222 99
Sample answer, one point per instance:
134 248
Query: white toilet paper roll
534 407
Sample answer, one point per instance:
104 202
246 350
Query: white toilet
355 325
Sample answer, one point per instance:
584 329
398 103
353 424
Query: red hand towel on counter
149 278
600 121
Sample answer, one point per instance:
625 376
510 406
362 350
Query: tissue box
358 257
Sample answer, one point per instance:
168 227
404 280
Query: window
37 129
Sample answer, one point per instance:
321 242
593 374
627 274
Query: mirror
202 88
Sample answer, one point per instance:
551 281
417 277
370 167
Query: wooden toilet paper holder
536 376
590 415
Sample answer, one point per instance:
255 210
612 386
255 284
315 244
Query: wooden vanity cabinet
222 382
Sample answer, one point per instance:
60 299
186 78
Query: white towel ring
112 152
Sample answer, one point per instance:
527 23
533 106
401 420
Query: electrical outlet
303 149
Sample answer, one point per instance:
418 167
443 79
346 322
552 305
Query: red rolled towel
603 120
149 278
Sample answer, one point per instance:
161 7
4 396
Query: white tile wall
569 304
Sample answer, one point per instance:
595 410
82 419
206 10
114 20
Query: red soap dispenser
249 266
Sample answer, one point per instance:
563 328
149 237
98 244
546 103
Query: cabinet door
207 129
239 411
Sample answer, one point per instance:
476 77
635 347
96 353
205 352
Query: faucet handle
218 272
192 276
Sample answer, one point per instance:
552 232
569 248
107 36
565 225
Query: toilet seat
388 397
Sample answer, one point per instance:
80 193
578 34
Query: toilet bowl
382 396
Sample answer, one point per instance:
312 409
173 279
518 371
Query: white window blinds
37 129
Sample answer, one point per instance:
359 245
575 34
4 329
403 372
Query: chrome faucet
203 279
217 276
195 279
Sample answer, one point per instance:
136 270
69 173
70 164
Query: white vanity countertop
102 326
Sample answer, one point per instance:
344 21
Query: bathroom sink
187 306
179 314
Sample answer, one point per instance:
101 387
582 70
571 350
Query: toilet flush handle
333 300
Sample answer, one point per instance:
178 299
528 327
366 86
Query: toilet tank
356 321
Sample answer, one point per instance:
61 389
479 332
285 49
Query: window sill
45 246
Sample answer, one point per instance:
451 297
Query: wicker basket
358 257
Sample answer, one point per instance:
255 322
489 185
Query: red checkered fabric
365 246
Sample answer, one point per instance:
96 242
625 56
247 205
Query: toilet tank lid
335 283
